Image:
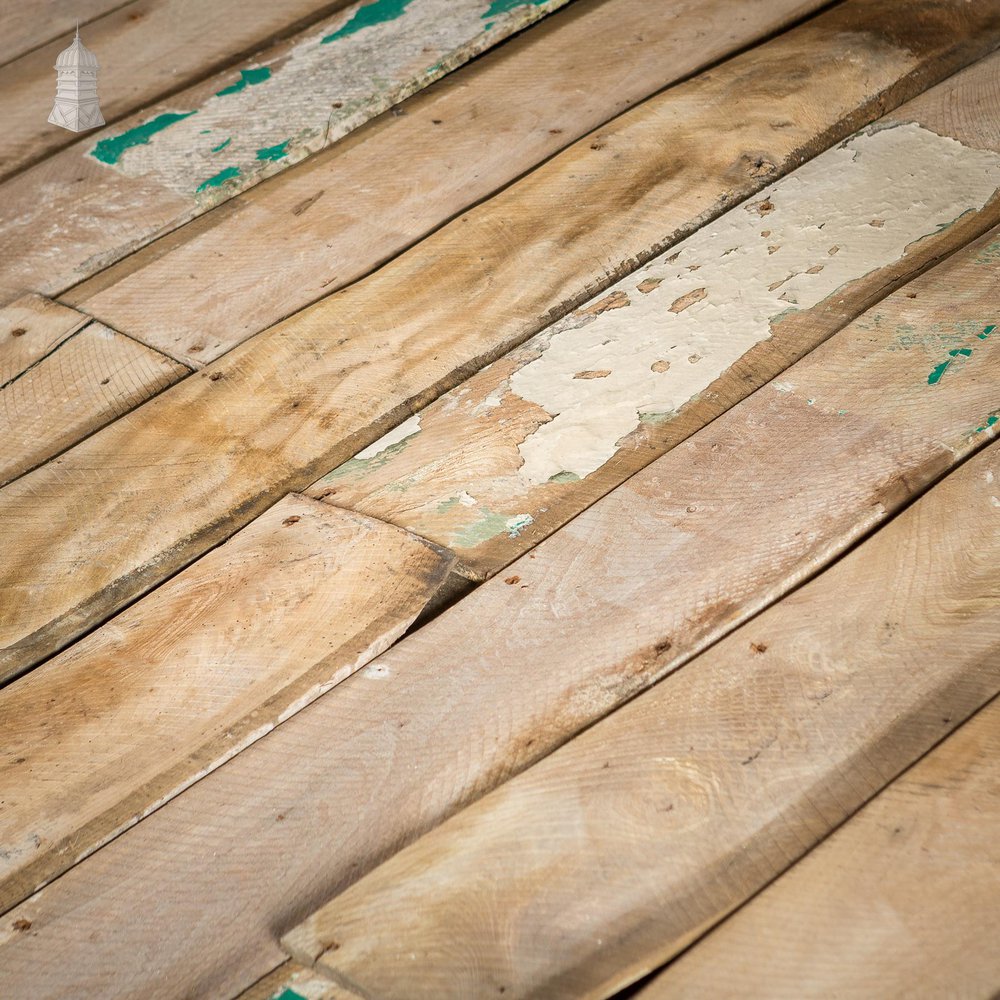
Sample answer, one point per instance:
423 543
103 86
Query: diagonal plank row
21 29
185 678
904 897
521 447
201 460
341 213
146 49
113 191
595 865
671 561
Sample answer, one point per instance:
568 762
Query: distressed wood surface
521 447
628 591
31 328
115 190
24 27
591 868
342 213
905 897
146 49
302 397
195 672
91 378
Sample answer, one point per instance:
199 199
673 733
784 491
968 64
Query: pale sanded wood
26 26
116 189
591 868
194 673
521 447
902 901
145 49
294 402
30 328
327 222
88 380
668 563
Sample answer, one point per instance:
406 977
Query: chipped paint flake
718 293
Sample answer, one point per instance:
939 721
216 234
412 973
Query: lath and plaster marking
353 66
721 289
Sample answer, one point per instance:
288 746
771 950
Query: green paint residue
987 331
935 376
375 12
446 505
221 146
991 421
964 352
274 152
990 253
502 6
204 131
110 150
220 178
288 994
248 78
490 526
564 477
361 466
653 417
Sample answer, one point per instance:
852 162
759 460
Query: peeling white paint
406 429
849 211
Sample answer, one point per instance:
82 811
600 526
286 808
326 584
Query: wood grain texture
325 224
146 49
621 596
292 403
521 447
905 897
24 27
30 328
92 377
115 190
292 981
192 674
592 867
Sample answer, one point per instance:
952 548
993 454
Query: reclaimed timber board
304 396
518 449
345 211
113 727
145 50
30 328
902 901
115 190
671 561
24 27
91 378
292 981
589 869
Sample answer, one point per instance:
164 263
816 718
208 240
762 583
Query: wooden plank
30 328
115 190
294 402
903 898
461 140
592 867
189 676
24 27
146 50
628 591
521 447
91 378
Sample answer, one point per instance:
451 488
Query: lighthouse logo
76 106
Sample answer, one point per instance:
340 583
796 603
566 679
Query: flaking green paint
935 376
987 331
248 78
991 421
221 146
111 150
274 152
288 994
375 12
361 466
490 526
502 6
564 477
220 178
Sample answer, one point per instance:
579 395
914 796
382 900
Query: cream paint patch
352 67
678 323
406 429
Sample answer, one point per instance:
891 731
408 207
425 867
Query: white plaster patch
849 211
406 429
